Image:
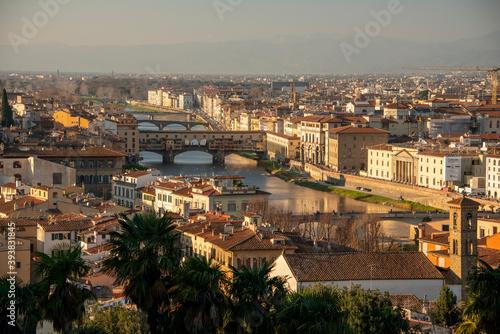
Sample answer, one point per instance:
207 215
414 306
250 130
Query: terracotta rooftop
19 221
71 225
463 201
8 207
361 266
11 185
355 130
137 173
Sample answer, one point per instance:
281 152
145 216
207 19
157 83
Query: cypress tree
6 111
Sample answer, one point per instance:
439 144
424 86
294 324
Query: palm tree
314 310
199 295
62 301
145 254
27 312
254 295
482 306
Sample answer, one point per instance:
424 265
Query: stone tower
463 238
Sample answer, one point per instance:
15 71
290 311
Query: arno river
287 196
283 194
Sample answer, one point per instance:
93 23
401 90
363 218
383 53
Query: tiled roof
66 225
8 207
437 238
463 201
352 129
489 255
281 135
262 241
11 185
361 266
19 221
407 301
137 173
62 153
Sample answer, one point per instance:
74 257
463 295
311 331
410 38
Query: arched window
54 194
454 220
468 220
16 164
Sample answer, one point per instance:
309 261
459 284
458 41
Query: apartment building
222 193
282 147
493 175
128 129
448 169
125 186
347 147
234 243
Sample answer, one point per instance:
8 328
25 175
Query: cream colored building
282 147
380 162
493 175
400 162
448 169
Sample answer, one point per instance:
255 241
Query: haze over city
222 36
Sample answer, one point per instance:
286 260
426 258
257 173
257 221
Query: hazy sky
129 22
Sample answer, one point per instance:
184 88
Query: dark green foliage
146 253
254 294
199 296
116 320
314 310
446 311
132 167
423 95
6 111
370 312
61 299
482 307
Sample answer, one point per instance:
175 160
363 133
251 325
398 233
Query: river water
284 195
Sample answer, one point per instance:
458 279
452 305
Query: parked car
367 189
359 188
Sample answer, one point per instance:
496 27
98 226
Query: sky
133 22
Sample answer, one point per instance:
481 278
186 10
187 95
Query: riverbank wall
426 196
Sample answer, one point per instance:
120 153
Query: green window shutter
60 236
53 236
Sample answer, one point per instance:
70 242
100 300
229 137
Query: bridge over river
217 143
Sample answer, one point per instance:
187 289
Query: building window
454 220
16 164
445 227
468 220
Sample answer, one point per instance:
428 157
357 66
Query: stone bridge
217 143
161 123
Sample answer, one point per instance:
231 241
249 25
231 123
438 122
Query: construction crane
493 70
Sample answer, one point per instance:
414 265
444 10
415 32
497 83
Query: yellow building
18 260
67 119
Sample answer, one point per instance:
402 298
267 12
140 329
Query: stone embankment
426 196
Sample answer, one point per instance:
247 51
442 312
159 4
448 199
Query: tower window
454 220
468 220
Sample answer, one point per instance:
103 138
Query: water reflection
286 195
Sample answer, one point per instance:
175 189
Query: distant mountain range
320 53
